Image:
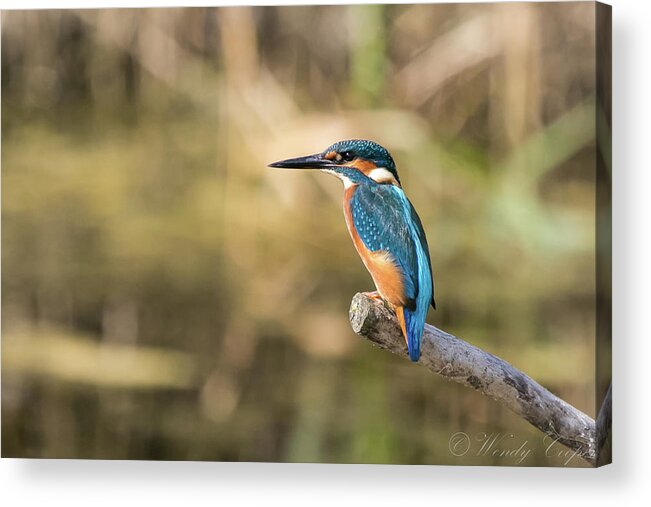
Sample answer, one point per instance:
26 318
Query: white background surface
628 481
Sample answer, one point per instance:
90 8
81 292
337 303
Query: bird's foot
374 295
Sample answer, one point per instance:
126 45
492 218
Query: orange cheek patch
364 166
331 155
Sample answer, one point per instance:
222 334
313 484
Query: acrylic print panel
168 296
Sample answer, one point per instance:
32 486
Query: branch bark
457 360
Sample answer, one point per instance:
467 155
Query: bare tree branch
466 364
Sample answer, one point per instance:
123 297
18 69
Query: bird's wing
420 232
385 220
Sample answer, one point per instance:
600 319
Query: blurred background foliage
167 296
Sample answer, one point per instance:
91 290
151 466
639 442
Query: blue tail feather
414 324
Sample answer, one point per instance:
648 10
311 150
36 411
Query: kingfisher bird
385 228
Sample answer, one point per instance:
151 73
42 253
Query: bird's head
350 161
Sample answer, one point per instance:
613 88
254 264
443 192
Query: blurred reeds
167 296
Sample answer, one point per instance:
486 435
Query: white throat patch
347 182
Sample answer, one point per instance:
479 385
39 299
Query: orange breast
383 269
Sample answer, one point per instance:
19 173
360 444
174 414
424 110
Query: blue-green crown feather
367 150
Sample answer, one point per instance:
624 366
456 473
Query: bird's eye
347 156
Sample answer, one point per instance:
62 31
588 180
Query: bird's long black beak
316 161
